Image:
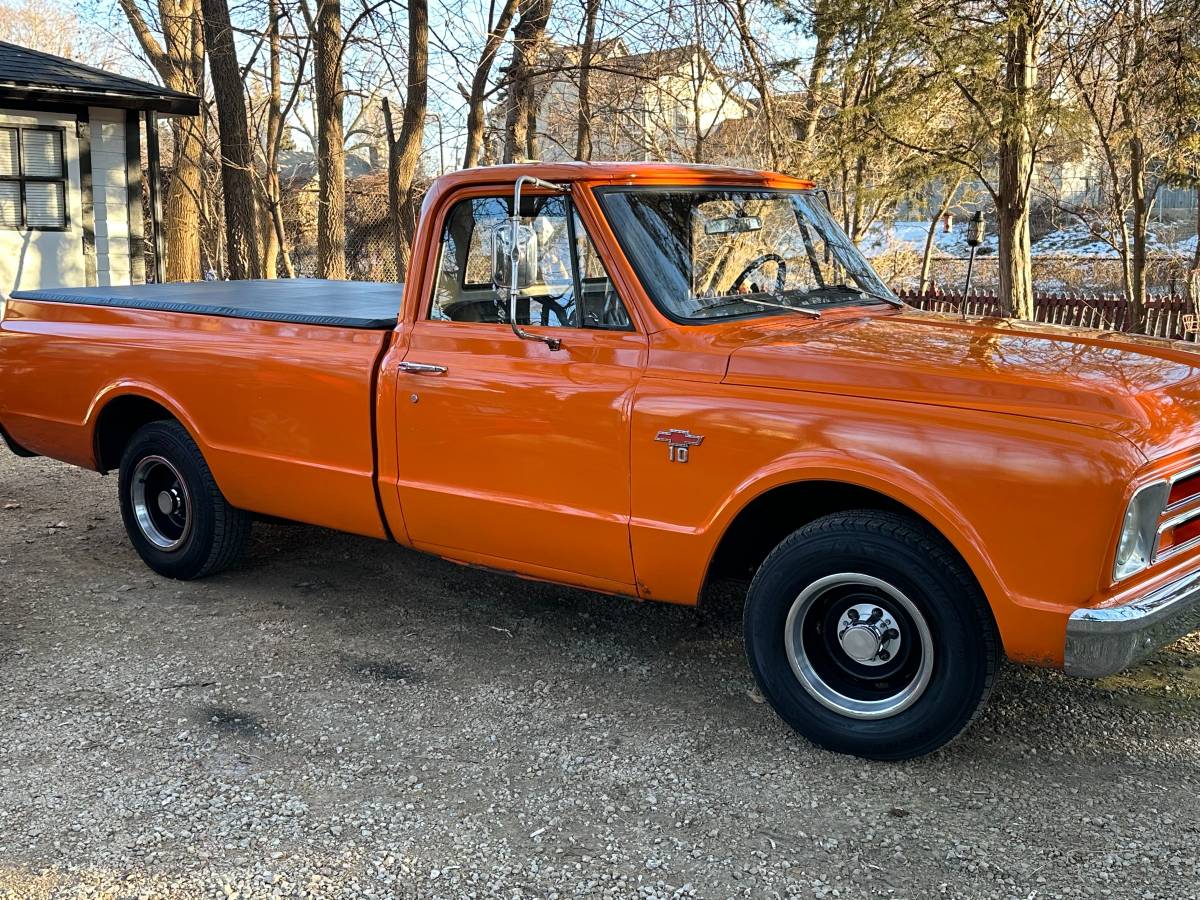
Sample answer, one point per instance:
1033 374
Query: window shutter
45 205
43 154
8 152
10 204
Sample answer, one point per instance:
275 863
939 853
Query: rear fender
131 388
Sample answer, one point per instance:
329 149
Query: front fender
1031 506
898 483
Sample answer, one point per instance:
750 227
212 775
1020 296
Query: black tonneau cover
304 301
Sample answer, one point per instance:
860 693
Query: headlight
1135 549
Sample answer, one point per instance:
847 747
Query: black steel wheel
176 517
868 635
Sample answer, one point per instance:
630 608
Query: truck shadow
395 618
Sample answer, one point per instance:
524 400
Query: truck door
512 454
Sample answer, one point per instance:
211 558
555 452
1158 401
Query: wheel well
118 423
768 519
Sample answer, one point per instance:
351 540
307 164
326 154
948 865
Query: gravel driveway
342 718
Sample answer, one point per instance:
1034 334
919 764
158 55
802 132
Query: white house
71 174
658 105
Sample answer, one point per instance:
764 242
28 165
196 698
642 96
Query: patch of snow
909 236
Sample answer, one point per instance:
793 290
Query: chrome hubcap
868 634
161 503
859 646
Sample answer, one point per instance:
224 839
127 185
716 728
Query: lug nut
876 615
852 614
884 655
891 634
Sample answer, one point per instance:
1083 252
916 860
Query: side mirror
514 256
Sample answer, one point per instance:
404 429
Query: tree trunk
267 180
583 141
179 61
237 158
1196 253
927 253
277 225
1016 156
762 81
1194 275
483 71
823 40
331 150
404 151
527 41
1141 220
181 211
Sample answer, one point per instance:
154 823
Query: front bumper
1103 641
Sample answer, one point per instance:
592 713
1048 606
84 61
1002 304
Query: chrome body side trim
1103 641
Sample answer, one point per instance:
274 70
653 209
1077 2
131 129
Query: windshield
709 254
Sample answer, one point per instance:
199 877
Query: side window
571 288
33 179
601 306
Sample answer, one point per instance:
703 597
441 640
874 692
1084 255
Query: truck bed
305 301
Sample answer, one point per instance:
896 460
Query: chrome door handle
422 368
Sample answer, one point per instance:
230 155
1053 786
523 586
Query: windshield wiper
733 301
863 292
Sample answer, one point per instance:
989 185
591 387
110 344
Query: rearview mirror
733 225
514 255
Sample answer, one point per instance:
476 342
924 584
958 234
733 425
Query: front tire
868 635
176 517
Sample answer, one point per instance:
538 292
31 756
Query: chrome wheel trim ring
146 507
820 690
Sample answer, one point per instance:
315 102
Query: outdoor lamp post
975 233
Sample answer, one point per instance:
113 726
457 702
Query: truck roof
622 172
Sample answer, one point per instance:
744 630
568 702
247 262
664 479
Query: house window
33 179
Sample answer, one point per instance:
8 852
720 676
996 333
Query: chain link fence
370 249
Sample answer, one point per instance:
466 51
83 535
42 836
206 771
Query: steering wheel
780 271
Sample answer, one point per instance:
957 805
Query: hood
1146 389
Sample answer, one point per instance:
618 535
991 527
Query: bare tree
326 29
520 127
178 58
274 232
497 28
583 143
53 28
404 150
940 209
760 76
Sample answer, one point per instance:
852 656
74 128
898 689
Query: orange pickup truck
632 378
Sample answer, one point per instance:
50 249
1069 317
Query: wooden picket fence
1167 316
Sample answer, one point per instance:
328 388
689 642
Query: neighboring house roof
30 77
299 167
657 62
570 54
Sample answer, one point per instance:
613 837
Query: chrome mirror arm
514 256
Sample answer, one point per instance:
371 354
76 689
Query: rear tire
869 636
176 517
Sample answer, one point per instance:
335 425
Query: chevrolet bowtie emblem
679 442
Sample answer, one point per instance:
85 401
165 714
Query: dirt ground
343 718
